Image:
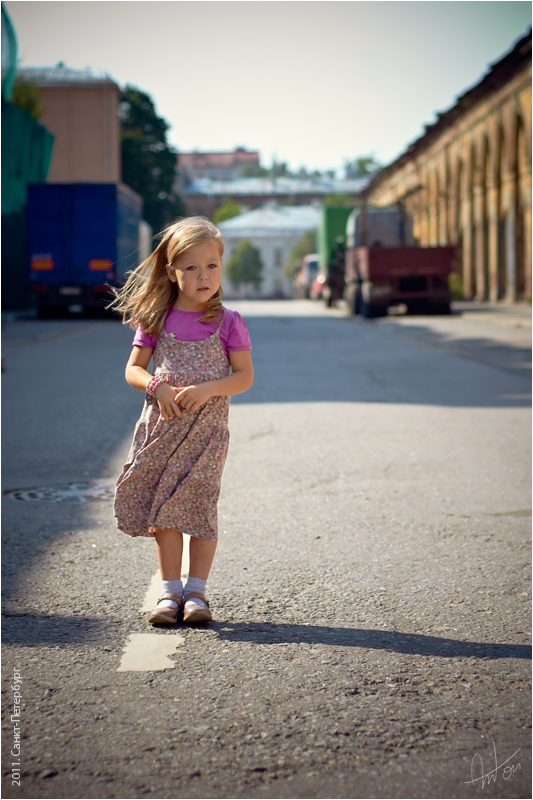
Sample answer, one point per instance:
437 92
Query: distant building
217 166
204 195
467 181
81 111
274 231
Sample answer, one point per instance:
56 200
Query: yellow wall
469 185
84 122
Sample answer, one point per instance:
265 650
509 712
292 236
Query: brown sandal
166 616
198 613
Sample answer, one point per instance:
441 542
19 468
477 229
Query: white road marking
153 594
148 652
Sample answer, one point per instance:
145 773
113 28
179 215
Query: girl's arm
137 375
240 380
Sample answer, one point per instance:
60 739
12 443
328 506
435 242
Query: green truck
331 246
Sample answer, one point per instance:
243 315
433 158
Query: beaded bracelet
153 383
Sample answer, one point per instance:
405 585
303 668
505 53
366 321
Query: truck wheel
371 312
48 312
357 301
441 308
416 307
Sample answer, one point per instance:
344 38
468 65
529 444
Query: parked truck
82 238
331 241
385 267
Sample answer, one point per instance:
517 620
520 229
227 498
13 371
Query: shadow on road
41 629
408 643
38 629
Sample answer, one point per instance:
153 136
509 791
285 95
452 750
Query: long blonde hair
149 294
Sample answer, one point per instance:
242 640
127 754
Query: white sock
195 585
174 587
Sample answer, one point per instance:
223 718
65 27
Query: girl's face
197 273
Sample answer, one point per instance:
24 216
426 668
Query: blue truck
81 239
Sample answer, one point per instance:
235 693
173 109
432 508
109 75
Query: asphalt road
371 591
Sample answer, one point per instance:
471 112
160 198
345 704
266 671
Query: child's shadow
408 643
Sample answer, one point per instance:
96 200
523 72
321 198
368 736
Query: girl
201 355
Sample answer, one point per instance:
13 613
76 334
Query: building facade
218 166
467 181
204 195
80 109
273 231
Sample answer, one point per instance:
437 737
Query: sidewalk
514 316
483 322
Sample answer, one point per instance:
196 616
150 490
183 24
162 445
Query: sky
307 83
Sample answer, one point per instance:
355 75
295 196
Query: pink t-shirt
187 327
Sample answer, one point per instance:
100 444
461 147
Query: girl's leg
169 547
201 554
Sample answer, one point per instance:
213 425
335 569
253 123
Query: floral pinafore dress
172 476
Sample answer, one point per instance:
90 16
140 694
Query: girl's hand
192 397
165 396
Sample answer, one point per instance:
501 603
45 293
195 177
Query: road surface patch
149 652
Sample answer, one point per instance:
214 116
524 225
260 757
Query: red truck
385 267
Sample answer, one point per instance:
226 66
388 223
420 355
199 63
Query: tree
245 265
26 95
305 246
339 200
148 163
227 210
280 169
362 167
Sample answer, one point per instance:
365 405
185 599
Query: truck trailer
82 239
385 267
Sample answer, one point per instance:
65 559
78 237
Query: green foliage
338 201
280 170
227 210
304 247
456 286
362 167
148 163
245 265
26 96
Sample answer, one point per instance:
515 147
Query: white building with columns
273 231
